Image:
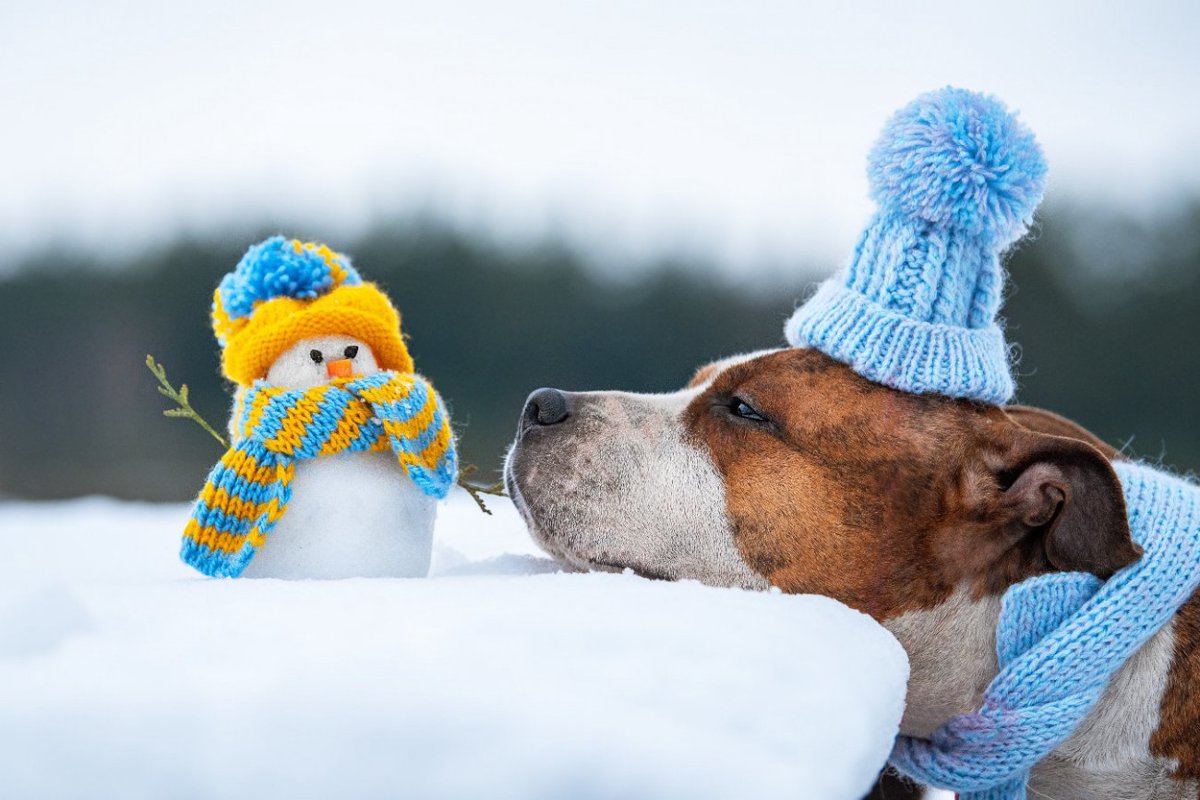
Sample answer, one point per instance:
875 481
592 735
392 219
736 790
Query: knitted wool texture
248 490
956 179
283 291
1060 639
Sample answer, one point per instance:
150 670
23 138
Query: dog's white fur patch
952 653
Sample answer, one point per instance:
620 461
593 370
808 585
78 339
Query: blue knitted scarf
1060 638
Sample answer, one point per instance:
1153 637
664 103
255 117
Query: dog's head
787 469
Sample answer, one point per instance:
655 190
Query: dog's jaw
512 489
952 656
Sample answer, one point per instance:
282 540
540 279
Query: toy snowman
339 451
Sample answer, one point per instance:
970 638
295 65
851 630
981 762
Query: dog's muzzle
544 409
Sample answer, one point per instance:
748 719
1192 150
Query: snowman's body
350 514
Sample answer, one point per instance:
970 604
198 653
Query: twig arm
475 490
180 397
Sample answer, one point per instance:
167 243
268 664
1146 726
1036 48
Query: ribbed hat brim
889 348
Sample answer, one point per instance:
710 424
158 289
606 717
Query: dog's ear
1039 420
1065 492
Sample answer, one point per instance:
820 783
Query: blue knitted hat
956 178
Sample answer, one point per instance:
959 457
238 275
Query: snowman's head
319 359
283 292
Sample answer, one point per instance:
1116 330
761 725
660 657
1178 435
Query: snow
127 675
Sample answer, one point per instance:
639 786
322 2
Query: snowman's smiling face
312 362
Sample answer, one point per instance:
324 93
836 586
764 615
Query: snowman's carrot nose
342 368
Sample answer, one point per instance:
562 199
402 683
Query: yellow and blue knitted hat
956 178
285 290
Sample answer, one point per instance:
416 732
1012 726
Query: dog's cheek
807 529
764 498
785 522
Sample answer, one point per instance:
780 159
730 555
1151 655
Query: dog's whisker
1038 793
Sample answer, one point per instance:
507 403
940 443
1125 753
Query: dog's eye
351 351
746 411
316 355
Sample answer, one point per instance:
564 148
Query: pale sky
735 130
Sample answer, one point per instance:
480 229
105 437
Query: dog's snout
546 407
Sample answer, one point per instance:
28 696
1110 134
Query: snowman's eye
351 351
316 355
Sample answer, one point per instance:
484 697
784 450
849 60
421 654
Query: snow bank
122 674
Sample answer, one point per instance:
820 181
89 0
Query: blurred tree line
1105 310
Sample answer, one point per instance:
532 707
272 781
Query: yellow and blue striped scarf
248 490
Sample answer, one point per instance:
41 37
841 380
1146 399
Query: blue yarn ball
273 268
959 161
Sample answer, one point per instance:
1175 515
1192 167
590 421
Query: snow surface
125 674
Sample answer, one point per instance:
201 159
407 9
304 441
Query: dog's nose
546 407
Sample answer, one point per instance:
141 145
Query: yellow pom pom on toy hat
285 290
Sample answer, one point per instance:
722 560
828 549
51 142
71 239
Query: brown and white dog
785 468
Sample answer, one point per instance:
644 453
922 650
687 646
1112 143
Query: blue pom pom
958 160
275 268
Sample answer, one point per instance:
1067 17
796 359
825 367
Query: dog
784 468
